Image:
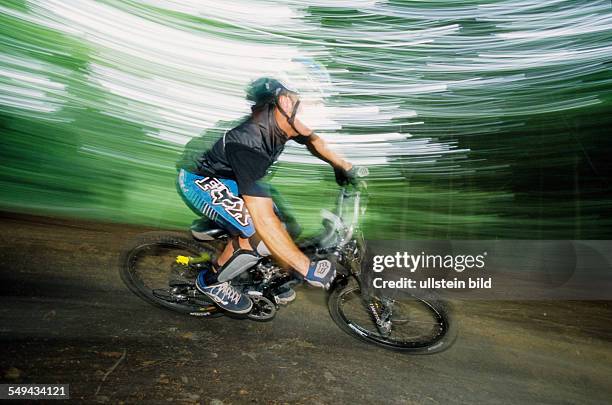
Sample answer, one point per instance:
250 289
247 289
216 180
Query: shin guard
240 261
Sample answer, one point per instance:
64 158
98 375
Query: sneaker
225 296
285 295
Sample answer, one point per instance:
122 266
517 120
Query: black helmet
266 90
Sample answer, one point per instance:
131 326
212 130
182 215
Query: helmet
266 90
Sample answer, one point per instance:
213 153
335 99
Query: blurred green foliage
527 157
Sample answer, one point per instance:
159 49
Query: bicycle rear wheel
149 268
421 322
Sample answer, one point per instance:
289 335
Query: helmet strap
290 119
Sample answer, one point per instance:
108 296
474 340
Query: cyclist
223 185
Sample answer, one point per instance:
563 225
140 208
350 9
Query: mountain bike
161 267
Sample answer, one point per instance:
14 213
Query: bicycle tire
440 308
163 239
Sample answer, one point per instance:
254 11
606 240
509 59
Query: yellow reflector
184 260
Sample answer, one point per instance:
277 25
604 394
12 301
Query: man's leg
209 197
242 253
239 255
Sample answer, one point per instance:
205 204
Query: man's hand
321 273
344 177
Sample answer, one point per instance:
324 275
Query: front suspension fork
381 310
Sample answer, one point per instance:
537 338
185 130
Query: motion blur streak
478 119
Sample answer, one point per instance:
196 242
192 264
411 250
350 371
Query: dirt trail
65 317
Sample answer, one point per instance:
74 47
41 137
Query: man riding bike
223 185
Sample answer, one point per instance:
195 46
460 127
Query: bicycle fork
381 310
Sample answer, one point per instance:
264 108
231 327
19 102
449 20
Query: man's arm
270 229
318 147
249 166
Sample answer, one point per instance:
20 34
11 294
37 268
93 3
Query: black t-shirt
246 152
249 165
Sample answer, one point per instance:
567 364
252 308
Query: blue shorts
219 200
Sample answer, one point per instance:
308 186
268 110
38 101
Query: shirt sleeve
249 166
301 139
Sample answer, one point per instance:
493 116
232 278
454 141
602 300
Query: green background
510 136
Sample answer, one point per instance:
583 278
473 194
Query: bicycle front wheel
420 322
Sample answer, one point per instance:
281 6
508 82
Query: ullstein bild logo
413 263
